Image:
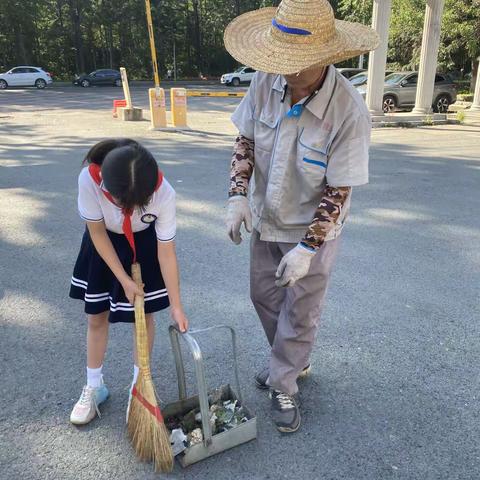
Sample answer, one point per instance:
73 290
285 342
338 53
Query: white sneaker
86 409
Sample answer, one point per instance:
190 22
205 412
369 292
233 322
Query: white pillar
378 58
360 61
476 96
428 57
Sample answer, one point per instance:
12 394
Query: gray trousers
290 316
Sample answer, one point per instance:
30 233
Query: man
304 135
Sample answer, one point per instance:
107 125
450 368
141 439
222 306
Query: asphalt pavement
64 96
394 392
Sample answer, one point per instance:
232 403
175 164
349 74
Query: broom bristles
149 436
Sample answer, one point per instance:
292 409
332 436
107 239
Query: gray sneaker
285 411
262 377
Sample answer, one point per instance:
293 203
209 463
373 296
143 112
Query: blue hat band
290 30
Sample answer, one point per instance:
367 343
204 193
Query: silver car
401 88
362 78
350 72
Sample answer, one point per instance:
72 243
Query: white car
25 77
240 75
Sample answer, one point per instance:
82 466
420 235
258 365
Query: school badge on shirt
148 218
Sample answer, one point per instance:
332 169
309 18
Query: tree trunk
110 45
125 42
187 37
197 42
75 14
59 13
475 66
21 51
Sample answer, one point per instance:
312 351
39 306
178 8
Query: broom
146 427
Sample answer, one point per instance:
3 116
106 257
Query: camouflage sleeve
241 169
326 216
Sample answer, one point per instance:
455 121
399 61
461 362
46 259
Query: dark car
99 77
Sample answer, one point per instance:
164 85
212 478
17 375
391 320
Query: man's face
304 79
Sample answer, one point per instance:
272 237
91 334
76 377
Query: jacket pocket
312 159
265 130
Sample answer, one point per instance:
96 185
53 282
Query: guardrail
199 93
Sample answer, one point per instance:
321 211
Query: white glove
294 266
238 212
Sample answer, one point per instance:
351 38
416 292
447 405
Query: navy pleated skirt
94 283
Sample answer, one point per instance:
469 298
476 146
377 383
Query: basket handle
194 348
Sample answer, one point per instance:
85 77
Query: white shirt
94 206
297 155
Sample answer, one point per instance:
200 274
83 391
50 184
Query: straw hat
295 36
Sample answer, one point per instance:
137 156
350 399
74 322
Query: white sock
135 376
94 377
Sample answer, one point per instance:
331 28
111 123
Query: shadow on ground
394 392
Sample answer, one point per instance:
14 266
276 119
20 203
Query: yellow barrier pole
158 114
178 97
152 43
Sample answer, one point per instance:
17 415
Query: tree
72 36
76 9
355 10
405 37
460 45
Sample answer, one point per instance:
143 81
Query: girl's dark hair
129 171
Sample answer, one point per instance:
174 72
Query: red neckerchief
96 173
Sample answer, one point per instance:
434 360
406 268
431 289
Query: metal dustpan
212 444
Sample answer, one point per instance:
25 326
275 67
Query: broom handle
140 323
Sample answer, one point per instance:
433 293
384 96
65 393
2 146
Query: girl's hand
178 316
132 290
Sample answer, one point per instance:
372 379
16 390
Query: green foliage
460 33
428 120
460 38
355 10
72 36
405 40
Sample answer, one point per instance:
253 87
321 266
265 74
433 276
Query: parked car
350 72
240 75
401 88
361 78
99 77
25 76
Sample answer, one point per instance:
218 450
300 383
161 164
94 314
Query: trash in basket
207 423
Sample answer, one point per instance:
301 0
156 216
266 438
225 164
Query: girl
129 208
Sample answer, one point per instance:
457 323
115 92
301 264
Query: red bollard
116 104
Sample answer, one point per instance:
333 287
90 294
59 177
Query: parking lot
394 392
69 97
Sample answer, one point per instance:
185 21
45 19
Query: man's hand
238 212
294 266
